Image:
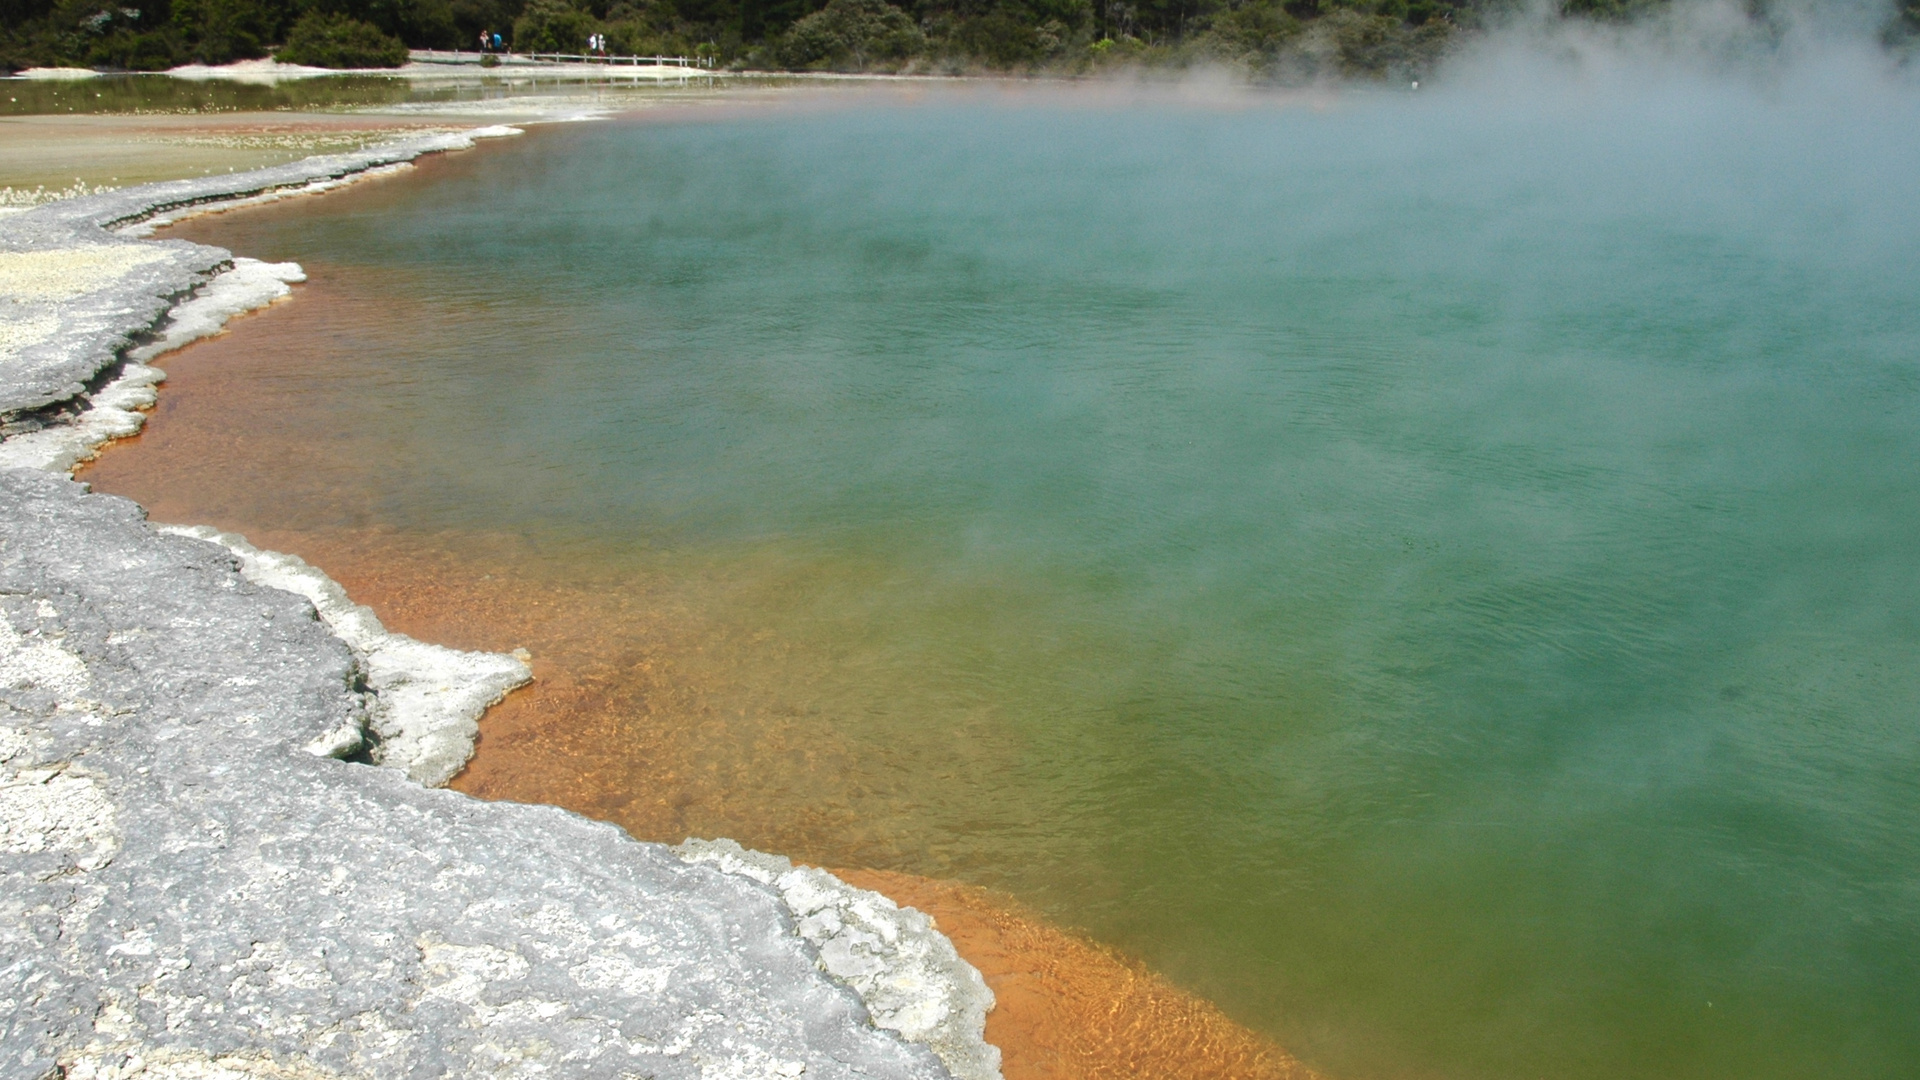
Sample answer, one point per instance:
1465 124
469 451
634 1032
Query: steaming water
1438 574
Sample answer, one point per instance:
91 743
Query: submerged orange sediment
1069 1009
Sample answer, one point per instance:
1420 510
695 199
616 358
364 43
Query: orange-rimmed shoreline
1069 1008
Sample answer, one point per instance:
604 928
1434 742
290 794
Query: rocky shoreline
220 855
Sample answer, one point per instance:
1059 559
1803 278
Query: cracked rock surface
185 890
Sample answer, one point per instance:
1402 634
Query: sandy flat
117 150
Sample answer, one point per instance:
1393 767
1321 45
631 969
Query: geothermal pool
1435 574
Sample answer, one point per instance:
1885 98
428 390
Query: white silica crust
50 806
118 410
59 273
428 699
147 1063
59 73
148 226
38 288
246 285
265 72
38 664
145 227
903 968
140 230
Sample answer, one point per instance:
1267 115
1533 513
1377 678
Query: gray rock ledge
75 295
191 887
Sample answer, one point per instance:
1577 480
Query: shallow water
1434 574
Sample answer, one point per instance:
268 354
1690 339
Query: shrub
1001 38
1253 34
422 24
220 31
851 34
639 39
552 26
335 41
1617 11
136 52
1355 45
648 28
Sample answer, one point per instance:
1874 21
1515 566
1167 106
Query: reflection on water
1433 575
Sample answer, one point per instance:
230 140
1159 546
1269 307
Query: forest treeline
1280 40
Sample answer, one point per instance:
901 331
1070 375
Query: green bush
1901 33
335 41
1002 37
136 52
850 34
222 31
1617 11
1119 52
648 28
1378 46
1252 34
552 26
422 24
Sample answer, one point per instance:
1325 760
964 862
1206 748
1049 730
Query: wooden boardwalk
691 64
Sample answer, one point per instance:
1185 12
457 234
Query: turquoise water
1437 573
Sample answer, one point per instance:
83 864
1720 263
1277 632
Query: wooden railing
444 56
637 61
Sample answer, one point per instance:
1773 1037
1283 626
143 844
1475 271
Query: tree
552 26
222 31
335 41
851 34
1253 33
420 23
